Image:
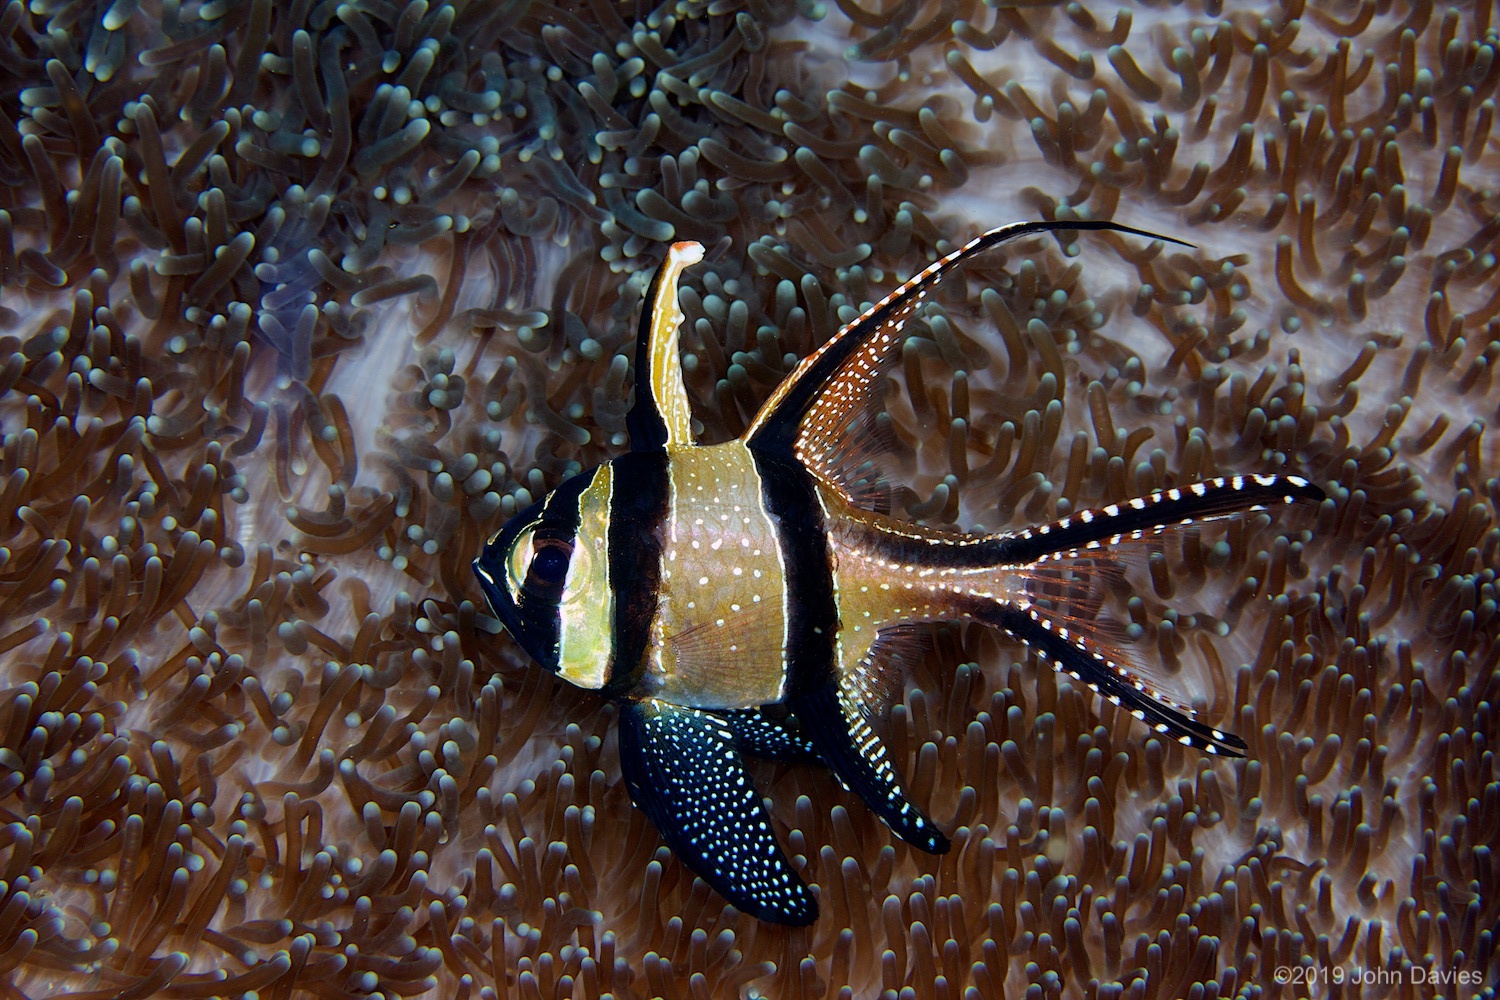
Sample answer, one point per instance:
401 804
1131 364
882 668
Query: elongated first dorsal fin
815 409
661 416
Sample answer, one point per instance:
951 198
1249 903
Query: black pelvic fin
684 772
853 751
759 735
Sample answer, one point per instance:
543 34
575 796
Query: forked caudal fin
1085 592
1056 567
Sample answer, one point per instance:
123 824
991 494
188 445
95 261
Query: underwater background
299 301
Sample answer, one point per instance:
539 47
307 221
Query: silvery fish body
698 585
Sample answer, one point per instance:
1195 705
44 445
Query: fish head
546 575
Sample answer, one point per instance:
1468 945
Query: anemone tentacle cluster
298 302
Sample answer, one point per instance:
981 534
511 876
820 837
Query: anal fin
853 751
683 770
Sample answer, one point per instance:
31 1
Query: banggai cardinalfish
698 586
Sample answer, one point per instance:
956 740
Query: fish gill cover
255 734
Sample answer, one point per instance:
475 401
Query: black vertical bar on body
791 497
638 508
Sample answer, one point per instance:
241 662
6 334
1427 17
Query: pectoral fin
683 770
661 416
853 751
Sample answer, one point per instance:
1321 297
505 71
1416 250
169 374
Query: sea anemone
301 302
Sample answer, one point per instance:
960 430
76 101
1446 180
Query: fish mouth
494 581
498 597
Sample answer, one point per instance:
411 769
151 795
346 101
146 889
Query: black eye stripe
532 612
554 533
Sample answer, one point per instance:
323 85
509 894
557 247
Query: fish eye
539 567
549 566
540 560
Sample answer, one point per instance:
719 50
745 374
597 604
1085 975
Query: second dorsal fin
821 412
661 416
